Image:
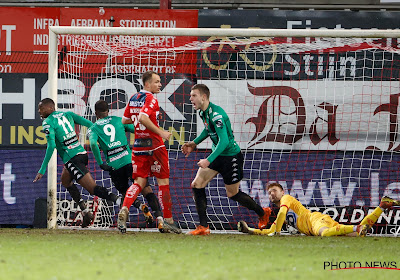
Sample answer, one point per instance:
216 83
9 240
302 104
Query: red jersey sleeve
128 113
150 106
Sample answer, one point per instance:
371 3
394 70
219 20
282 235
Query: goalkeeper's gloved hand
106 167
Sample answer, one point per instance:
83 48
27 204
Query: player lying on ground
313 223
59 128
149 156
109 132
226 159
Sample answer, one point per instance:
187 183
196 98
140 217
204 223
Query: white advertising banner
309 115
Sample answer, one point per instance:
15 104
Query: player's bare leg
67 182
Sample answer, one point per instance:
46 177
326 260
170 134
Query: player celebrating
226 159
60 134
313 223
149 157
109 132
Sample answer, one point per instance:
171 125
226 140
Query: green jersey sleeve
223 140
51 145
80 120
201 137
129 127
93 137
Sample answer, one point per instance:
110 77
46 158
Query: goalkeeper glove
106 167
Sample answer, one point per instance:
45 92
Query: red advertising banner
26 30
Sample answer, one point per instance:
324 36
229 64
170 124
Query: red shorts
156 165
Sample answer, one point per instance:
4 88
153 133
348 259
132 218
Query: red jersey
144 102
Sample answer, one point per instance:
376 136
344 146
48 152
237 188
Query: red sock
131 195
164 197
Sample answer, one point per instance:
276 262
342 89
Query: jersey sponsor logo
143 153
116 150
71 147
216 117
135 103
71 140
143 143
113 144
141 134
117 157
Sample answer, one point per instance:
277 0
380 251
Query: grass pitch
88 254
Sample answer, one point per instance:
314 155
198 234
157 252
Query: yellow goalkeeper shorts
319 220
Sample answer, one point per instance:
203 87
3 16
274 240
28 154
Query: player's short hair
203 89
147 76
101 106
274 185
48 102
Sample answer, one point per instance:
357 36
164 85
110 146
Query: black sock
76 196
137 203
154 204
246 201
102 192
201 205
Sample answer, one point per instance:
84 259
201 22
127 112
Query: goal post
311 109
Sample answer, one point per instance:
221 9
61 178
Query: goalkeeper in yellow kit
313 223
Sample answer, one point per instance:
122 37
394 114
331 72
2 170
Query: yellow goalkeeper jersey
295 214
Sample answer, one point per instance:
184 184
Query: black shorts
230 168
77 166
121 176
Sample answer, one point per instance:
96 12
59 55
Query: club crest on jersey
46 129
156 167
219 123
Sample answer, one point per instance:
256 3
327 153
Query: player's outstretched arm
243 227
276 227
269 231
51 145
80 120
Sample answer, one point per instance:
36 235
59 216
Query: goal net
315 110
